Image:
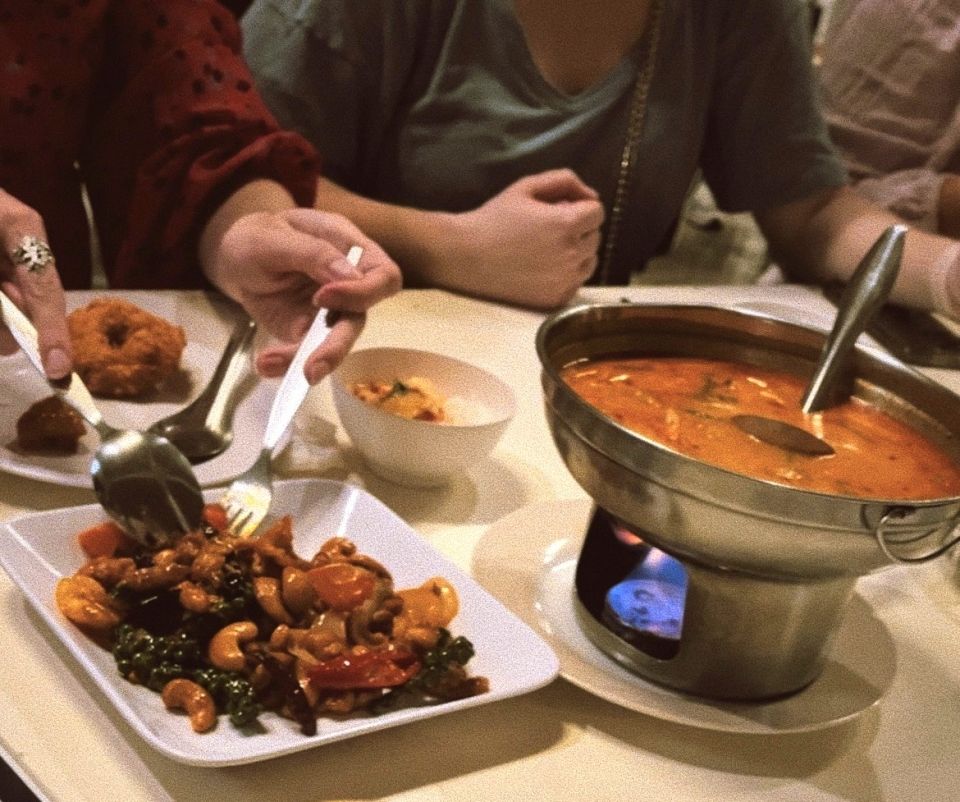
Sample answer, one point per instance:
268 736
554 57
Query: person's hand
534 244
283 266
28 274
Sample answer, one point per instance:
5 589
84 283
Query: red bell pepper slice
377 669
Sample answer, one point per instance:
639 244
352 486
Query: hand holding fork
248 498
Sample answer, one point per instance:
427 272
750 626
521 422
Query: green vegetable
399 388
438 661
232 694
441 676
166 642
154 660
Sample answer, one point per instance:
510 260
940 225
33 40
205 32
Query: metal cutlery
143 482
247 500
867 291
203 429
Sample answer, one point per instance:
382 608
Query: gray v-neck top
438 104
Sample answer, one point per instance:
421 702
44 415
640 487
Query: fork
247 500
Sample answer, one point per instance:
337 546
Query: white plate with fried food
40 549
207 321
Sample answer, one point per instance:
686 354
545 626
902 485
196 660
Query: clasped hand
533 244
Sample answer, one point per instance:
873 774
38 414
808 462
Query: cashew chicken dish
221 624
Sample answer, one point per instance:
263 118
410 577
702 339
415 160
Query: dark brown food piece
51 426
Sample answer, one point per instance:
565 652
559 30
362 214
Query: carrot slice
342 586
216 516
102 540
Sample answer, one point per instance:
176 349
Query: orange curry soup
686 404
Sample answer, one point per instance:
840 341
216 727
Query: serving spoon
142 481
867 291
203 429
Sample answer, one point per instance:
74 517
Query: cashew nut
225 649
194 598
207 564
164 557
85 602
267 591
183 694
297 590
189 546
156 577
425 609
108 571
279 637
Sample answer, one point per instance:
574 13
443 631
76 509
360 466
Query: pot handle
896 513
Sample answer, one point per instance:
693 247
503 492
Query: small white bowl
414 452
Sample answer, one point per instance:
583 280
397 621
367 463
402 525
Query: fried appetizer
50 426
121 350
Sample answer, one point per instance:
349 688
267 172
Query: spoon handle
71 389
867 291
213 406
294 386
230 370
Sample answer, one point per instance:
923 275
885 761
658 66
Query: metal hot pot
769 568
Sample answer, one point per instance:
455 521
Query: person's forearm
948 209
533 244
830 238
420 241
912 194
261 195
852 226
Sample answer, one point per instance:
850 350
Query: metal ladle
203 429
143 482
867 291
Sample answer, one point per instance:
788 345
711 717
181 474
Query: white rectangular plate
38 549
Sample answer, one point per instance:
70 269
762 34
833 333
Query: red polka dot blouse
150 105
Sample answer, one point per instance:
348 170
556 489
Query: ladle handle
71 388
867 291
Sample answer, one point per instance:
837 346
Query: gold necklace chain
628 158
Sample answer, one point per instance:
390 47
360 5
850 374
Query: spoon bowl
142 481
783 434
204 429
145 484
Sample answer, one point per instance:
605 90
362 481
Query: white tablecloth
558 743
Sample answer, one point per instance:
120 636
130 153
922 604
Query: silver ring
34 254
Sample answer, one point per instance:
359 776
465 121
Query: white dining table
560 742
